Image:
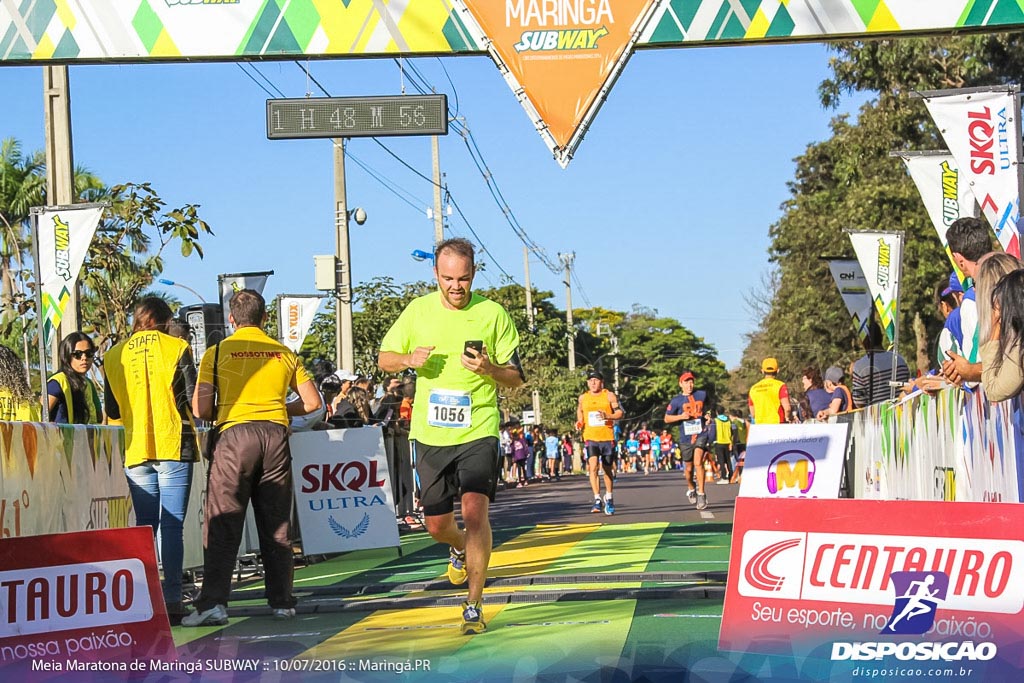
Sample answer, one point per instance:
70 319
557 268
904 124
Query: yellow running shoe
457 567
472 618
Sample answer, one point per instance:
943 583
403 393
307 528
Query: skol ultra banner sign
63 235
85 601
983 134
880 255
343 491
910 587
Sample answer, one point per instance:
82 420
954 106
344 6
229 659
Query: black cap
594 374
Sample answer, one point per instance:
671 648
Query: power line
430 180
478 159
253 79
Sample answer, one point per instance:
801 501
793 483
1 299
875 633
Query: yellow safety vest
93 407
723 432
16 410
765 401
140 373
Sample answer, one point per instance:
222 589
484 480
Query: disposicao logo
918 595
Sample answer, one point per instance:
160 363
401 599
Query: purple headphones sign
794 461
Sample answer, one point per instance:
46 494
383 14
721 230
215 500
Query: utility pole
568 259
344 353
535 394
438 216
529 291
60 169
615 350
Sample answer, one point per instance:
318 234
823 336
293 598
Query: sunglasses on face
79 355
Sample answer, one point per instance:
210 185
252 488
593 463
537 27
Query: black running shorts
686 449
449 471
601 449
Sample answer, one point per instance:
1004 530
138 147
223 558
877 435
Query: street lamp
420 255
178 284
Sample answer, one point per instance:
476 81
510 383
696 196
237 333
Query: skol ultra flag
983 135
63 237
879 254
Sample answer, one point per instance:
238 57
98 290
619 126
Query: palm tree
22 186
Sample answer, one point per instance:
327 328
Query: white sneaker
284 613
215 616
691 496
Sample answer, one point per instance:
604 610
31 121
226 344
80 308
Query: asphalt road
657 497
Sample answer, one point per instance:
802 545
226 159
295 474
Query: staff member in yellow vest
243 383
73 398
769 399
150 378
17 402
462 346
596 411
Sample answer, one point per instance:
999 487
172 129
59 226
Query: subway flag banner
946 193
84 601
983 134
915 589
880 254
343 491
63 236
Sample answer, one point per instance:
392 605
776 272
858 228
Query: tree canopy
850 182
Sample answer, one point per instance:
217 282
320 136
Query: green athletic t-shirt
453 405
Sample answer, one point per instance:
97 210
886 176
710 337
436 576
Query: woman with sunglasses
72 395
150 378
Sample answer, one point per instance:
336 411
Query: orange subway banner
561 55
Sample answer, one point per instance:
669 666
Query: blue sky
667 202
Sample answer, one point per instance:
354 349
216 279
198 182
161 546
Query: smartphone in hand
477 346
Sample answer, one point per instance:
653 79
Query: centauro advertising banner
947 195
857 588
983 134
560 54
880 254
85 601
295 317
343 491
854 289
63 236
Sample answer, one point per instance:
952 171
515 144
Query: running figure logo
918 595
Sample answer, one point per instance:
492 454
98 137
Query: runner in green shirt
462 347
